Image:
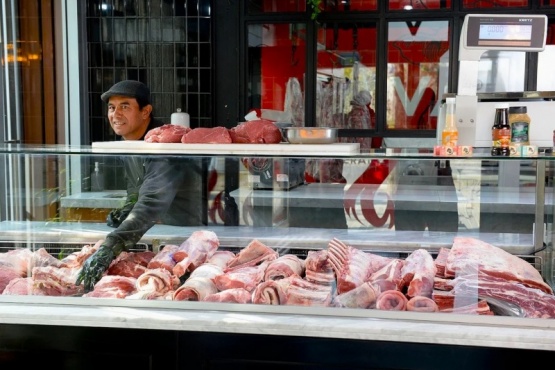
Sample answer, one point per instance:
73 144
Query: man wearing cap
159 189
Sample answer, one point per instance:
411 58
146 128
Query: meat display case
392 203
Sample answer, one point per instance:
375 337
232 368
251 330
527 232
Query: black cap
517 110
129 88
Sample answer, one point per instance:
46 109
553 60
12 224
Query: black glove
117 216
95 265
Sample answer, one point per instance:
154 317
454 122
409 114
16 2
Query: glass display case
392 217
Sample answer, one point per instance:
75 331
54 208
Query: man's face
126 118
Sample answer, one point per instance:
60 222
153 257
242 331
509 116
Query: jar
520 126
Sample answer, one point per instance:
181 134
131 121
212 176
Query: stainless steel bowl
311 135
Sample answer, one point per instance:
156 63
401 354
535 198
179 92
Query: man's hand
94 267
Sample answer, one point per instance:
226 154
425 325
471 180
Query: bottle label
519 132
504 137
450 138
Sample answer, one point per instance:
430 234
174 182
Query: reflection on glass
276 68
409 5
274 6
346 77
350 5
487 4
417 59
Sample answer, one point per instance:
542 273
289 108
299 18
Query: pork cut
194 251
284 266
130 264
167 133
207 135
195 289
391 300
469 255
155 283
164 258
57 281
363 296
418 273
422 304
247 277
253 254
112 286
7 275
23 286
318 268
237 295
220 258
352 266
256 132
389 277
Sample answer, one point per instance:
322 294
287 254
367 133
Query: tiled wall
164 43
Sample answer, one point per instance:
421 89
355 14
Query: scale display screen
523 32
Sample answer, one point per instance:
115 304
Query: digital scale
474 117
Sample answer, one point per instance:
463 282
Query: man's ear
147 109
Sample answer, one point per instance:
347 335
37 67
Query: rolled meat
363 296
392 300
422 304
195 289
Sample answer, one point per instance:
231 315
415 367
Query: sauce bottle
501 132
450 134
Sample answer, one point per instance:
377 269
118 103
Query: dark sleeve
162 178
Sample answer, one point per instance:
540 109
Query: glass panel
346 75
419 4
501 71
274 6
276 67
486 4
418 59
351 5
547 3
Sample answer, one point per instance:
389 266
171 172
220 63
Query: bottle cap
517 110
502 106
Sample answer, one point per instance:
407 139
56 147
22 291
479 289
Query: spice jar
520 126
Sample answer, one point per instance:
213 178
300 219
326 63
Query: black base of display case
60 347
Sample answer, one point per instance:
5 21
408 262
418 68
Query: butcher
159 190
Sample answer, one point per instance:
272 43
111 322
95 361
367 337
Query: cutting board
335 149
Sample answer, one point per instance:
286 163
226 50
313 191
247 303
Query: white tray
335 149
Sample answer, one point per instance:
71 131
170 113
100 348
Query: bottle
520 126
501 132
450 134
180 118
97 178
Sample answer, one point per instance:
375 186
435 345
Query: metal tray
311 135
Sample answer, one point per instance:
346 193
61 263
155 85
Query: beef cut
167 133
259 131
207 135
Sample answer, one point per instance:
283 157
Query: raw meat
164 258
167 133
441 260
469 255
389 277
195 289
318 268
299 292
245 277
352 266
220 258
154 283
19 260
111 286
256 132
42 258
76 259
270 292
57 281
130 264
418 273
392 300
23 286
253 254
284 266
7 275
207 270
207 135
238 295
363 296
422 304
194 251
